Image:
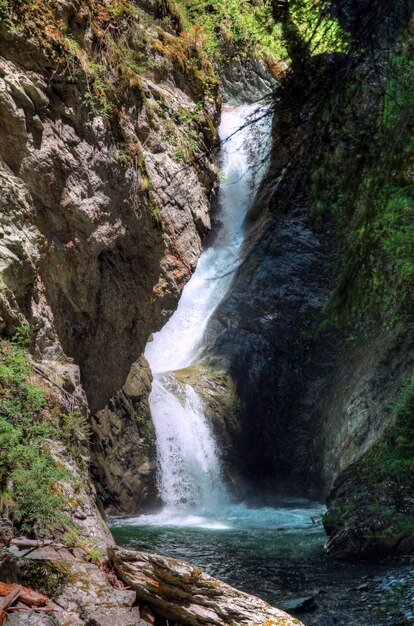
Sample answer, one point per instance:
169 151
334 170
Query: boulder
368 519
182 592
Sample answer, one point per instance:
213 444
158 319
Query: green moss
362 179
145 426
392 456
48 577
3 10
155 211
344 509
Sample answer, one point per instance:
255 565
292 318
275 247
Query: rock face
123 446
367 519
256 335
245 81
101 218
360 405
303 406
109 272
181 592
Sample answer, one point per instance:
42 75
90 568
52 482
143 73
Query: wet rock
326 620
253 338
301 605
182 592
368 520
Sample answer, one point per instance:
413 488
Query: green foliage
321 31
145 426
243 28
75 427
98 103
249 28
28 473
3 10
133 48
35 477
181 132
392 456
94 554
90 549
21 337
75 432
103 64
155 211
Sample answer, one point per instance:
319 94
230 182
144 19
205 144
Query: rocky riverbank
382 597
127 589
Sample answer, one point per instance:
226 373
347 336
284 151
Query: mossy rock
48 577
223 408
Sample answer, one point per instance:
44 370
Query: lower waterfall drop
190 480
189 467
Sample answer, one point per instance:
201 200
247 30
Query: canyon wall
310 355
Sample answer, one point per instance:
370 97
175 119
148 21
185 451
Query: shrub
28 473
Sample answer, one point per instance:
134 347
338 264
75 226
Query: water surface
265 551
277 554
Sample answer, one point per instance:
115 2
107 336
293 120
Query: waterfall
189 468
189 474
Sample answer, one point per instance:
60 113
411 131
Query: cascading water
189 469
189 475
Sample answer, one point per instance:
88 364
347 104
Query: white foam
290 516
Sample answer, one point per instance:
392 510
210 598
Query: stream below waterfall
274 551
